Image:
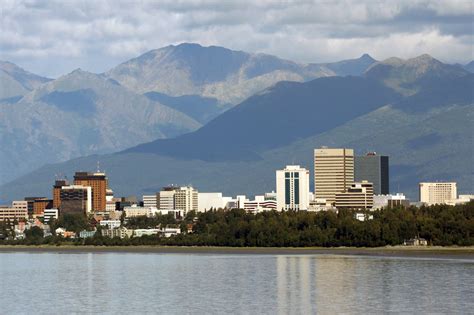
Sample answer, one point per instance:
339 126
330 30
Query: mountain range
160 94
419 111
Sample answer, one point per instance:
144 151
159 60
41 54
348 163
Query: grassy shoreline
389 251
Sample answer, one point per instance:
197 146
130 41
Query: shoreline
388 251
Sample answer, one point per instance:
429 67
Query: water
56 283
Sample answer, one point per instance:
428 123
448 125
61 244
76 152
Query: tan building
437 193
13 213
359 195
333 172
98 182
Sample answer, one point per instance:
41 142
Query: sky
52 38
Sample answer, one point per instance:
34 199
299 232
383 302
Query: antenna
98 167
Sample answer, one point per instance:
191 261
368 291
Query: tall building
360 195
149 201
373 168
58 184
76 199
165 198
182 198
333 172
437 193
292 188
186 199
98 182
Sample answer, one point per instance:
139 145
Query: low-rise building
142 232
416 242
259 204
111 224
13 213
390 201
121 232
363 216
462 199
320 204
50 214
359 195
136 211
86 234
64 233
168 232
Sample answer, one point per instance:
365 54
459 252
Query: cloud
55 37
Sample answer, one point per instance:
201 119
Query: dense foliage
439 225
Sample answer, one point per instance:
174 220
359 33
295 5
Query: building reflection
308 285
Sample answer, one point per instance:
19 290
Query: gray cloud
54 37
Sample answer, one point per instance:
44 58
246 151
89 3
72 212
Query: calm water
253 284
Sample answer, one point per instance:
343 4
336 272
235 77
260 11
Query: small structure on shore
417 241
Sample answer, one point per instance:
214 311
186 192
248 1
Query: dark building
58 184
98 182
375 169
75 199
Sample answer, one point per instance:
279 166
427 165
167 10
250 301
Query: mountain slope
16 82
277 116
469 67
215 72
427 139
202 109
79 114
411 75
354 67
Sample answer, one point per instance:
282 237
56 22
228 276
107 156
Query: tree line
439 225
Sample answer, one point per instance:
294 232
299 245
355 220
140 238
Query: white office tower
437 193
186 199
292 188
333 172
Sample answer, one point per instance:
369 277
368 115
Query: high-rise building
76 199
333 172
98 182
373 168
360 195
292 188
182 198
58 184
165 198
186 199
437 193
149 201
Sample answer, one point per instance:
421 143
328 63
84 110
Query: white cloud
99 34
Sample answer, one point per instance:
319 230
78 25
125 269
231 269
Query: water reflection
329 285
216 284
